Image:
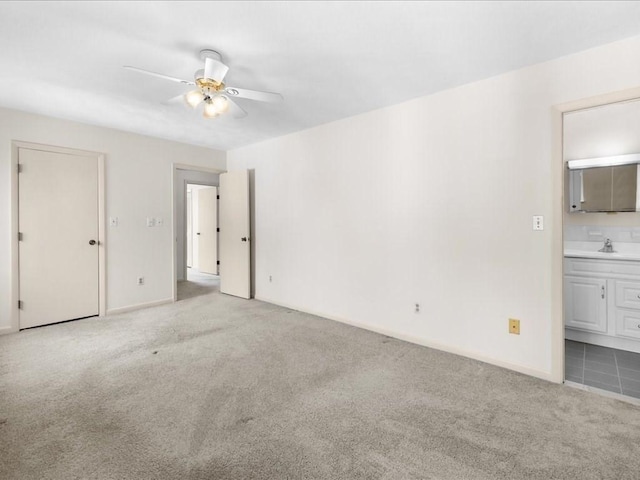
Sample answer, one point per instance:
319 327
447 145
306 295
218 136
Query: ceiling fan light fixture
214 106
194 98
210 110
221 103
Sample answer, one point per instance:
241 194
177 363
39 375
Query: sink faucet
608 246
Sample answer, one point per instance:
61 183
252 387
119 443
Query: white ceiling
329 60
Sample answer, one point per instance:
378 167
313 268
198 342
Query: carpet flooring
215 387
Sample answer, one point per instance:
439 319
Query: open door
235 251
207 235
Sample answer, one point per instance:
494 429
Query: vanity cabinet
602 302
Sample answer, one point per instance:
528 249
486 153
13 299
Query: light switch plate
538 222
159 222
151 222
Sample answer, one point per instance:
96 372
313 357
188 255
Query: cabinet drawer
628 323
628 294
596 267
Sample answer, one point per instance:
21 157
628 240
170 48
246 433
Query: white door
207 235
58 223
189 229
235 252
585 303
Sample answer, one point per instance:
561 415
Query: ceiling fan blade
159 75
253 94
236 110
214 69
178 99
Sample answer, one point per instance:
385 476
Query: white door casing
235 251
207 237
58 216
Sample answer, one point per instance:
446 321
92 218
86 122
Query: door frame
558 195
174 221
15 247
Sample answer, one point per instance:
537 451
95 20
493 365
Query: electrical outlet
159 222
140 280
113 221
270 278
514 326
417 308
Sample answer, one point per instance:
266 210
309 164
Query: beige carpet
198 284
214 387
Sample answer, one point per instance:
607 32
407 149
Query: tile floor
601 367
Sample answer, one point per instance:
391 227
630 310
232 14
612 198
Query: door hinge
20 304
218 230
19 236
218 262
19 167
218 197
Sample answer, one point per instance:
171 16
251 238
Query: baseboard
425 342
7 330
139 306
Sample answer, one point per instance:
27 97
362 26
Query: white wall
430 202
138 185
181 178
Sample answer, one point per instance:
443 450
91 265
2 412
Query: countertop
622 251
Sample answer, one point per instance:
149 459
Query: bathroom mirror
604 185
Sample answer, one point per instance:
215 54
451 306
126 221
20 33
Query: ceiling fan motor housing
207 83
208 53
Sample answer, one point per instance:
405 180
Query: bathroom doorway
601 246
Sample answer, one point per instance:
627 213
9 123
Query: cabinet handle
602 291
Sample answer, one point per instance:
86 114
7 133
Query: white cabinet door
585 305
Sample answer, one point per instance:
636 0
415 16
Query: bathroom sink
621 250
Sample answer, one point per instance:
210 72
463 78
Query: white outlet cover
151 221
538 222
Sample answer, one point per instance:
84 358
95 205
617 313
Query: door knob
198 233
92 242
244 239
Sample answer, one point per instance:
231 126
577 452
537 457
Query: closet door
58 248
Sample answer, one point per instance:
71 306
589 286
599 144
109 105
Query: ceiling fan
211 90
